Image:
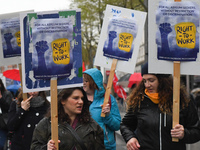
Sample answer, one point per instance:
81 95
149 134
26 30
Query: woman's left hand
106 109
178 132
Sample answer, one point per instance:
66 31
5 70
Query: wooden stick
176 93
54 112
20 72
109 85
176 96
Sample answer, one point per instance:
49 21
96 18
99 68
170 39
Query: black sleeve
192 124
41 135
128 125
15 116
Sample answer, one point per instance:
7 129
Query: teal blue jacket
110 123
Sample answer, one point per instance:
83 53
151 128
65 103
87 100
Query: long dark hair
63 96
3 89
165 93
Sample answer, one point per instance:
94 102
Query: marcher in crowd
5 101
195 96
93 85
73 114
148 123
24 116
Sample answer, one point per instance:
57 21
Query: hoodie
110 123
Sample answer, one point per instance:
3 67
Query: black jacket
23 123
5 102
152 128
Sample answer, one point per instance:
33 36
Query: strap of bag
80 141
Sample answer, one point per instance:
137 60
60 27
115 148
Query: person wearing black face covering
5 101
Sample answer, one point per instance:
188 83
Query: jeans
3 137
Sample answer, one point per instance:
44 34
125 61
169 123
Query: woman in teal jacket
93 86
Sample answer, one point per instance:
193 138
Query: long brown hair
63 96
165 93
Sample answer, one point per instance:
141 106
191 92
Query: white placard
125 15
7 21
165 66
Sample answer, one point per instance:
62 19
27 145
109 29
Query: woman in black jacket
148 123
24 116
5 101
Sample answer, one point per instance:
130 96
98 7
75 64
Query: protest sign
174 36
120 38
176 42
119 42
51 48
10 42
51 55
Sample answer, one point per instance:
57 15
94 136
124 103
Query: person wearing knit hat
146 71
148 121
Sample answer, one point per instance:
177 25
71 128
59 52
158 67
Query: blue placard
52 48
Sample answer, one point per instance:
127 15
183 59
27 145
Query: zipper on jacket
106 132
165 119
160 130
160 126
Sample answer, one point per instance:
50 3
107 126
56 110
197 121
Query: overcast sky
10 6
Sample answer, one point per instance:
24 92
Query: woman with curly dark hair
73 110
147 124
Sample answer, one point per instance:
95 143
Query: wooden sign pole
109 84
54 112
176 96
20 71
176 93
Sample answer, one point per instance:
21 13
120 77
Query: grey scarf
37 101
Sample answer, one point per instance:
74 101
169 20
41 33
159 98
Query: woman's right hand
133 144
25 104
51 145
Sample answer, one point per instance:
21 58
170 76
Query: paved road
121 145
195 146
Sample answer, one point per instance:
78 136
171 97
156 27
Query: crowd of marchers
25 124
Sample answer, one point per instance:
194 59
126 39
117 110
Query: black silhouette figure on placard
112 36
41 48
8 37
165 29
